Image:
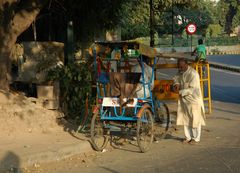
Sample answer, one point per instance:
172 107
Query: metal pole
151 23
172 24
69 44
50 27
191 43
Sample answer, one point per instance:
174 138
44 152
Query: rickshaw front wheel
99 133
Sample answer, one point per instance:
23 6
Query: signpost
191 29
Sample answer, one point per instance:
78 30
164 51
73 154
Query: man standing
190 112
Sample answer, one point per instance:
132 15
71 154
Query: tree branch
29 9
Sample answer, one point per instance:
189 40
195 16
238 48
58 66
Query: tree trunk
14 21
229 18
5 66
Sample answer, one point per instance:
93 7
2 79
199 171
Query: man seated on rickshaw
128 85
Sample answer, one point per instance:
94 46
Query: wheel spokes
145 130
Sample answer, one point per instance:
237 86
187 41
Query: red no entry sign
191 28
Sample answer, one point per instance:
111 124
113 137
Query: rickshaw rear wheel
145 129
162 119
99 133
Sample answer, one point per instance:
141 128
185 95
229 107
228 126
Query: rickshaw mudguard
145 106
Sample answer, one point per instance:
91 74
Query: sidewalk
34 149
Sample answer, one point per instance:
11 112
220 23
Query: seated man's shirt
147 78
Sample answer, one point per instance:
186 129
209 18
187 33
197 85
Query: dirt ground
24 115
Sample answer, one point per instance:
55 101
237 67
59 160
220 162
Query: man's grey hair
182 60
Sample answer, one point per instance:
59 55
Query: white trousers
192 133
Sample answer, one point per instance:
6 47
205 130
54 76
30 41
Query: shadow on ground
10 163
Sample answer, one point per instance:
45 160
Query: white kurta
147 78
190 110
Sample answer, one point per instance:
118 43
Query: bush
75 87
213 30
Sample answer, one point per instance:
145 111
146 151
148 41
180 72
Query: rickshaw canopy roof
143 49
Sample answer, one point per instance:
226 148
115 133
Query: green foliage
214 30
75 86
134 19
228 13
184 34
177 17
236 18
92 17
222 9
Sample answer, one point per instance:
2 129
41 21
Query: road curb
56 154
229 52
45 155
225 67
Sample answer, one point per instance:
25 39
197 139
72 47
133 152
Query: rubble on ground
21 114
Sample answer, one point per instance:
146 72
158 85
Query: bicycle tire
145 129
99 133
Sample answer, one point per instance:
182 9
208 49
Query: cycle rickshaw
140 114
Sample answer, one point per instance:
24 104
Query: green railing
222 41
168 41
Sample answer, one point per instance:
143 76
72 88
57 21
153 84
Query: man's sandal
185 141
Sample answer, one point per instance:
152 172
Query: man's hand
176 88
194 52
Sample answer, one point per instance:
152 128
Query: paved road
225 59
225 86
